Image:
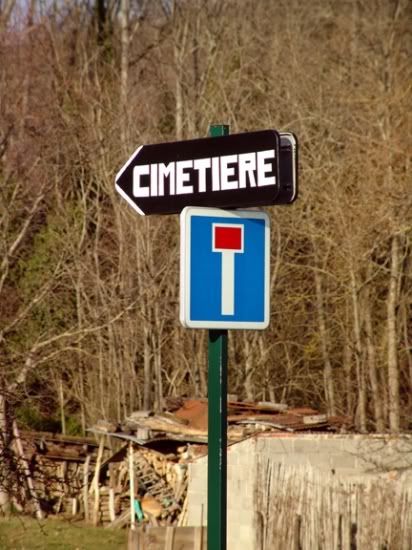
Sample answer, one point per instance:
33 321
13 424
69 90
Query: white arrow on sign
228 240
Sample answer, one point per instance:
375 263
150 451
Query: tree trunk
393 371
157 363
4 448
199 364
101 16
62 411
179 54
360 373
179 106
327 367
347 366
406 316
248 377
5 13
147 368
373 376
124 67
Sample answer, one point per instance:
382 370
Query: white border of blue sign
185 247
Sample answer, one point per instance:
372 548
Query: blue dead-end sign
224 268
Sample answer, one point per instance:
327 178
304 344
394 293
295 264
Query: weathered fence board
302 509
168 538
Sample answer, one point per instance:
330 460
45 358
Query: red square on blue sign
227 237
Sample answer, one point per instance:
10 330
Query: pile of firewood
145 486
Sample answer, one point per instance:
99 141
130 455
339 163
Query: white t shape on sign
228 239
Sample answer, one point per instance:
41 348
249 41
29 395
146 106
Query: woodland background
89 290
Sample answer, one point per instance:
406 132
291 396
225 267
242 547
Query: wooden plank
169 538
260 406
95 483
26 470
86 487
49 436
120 521
267 423
315 419
131 486
198 538
168 425
135 540
97 467
112 513
183 514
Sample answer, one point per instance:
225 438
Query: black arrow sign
239 170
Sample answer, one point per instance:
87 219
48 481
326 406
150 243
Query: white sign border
185 246
120 190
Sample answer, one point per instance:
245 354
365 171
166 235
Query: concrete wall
241 471
357 457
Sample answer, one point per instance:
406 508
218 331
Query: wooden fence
168 538
303 509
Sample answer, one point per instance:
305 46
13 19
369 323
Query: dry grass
23 533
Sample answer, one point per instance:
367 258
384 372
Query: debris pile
187 420
137 470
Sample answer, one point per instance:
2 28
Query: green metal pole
217 425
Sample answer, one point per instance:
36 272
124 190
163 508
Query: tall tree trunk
393 370
147 367
124 67
405 314
179 106
102 370
373 376
406 317
249 368
101 16
199 364
4 450
179 54
347 366
324 339
82 401
5 13
144 268
62 404
194 118
156 334
360 373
